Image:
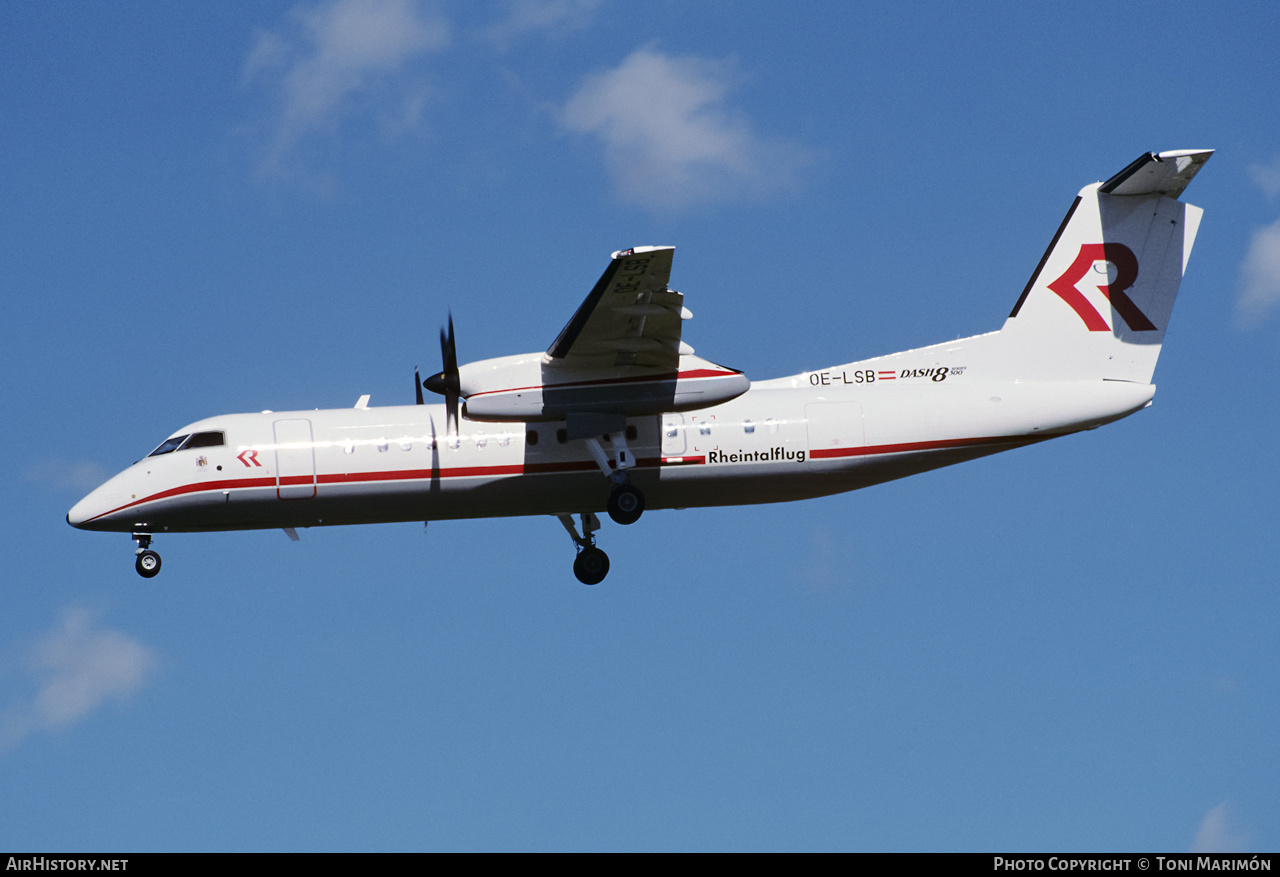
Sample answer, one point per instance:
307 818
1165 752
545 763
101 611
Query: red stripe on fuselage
197 487
549 468
374 477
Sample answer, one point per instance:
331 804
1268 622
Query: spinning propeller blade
446 383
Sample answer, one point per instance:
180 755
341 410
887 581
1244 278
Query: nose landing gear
148 561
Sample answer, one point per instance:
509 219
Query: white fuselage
619 415
813 434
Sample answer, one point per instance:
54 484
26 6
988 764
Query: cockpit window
205 440
192 440
169 446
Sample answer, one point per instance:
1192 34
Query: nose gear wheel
147 564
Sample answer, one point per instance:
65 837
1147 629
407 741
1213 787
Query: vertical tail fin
1099 301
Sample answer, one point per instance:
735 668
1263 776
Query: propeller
417 384
447 382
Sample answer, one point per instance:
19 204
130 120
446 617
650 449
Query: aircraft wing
619 356
630 318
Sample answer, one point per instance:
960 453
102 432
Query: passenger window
748 427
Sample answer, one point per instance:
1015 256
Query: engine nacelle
525 388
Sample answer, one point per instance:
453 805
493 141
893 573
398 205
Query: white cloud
1260 277
75 669
340 59
1260 272
671 137
824 563
1267 177
527 17
1216 835
60 474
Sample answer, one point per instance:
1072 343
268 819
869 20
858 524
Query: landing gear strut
591 565
148 561
626 502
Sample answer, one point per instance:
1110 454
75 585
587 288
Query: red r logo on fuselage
249 458
1126 273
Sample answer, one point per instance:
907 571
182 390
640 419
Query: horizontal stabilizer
1158 173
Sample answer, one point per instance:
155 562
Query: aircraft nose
88 513
80 513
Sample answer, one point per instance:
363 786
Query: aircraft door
295 459
673 441
833 426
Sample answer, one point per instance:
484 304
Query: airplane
619 415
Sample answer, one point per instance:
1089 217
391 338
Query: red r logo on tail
1126 273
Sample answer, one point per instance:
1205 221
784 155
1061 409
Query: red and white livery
618 415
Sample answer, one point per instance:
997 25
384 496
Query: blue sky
1071 646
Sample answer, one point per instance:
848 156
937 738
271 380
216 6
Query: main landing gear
591 565
626 502
625 505
148 561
